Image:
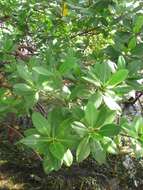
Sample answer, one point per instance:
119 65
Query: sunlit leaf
42 125
84 145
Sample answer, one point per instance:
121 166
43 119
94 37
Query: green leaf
30 99
128 129
71 141
8 44
42 71
109 145
77 113
98 153
32 141
31 131
105 116
117 78
123 89
121 62
96 99
96 136
79 91
92 81
24 73
42 125
64 129
138 24
112 66
68 158
91 114
38 143
138 50
56 117
135 85
111 104
134 67
137 148
102 71
93 76
50 163
22 87
69 63
137 124
80 129
132 43
109 130
83 149
57 149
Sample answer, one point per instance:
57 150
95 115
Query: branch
4 18
133 101
86 32
41 109
125 135
5 86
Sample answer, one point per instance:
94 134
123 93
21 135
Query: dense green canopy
80 60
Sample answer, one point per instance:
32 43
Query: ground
20 169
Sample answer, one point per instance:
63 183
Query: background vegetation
68 72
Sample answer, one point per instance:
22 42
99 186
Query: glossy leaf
117 77
98 153
132 43
57 150
24 73
80 128
69 63
42 125
105 116
42 71
68 158
96 99
22 87
83 145
110 145
121 62
32 140
91 114
103 71
50 163
138 24
109 130
110 102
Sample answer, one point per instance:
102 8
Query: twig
15 131
133 101
4 18
141 106
22 136
86 32
125 135
5 28
137 98
41 109
5 86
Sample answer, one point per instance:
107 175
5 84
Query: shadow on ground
21 170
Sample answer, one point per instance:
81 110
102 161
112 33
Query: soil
20 169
